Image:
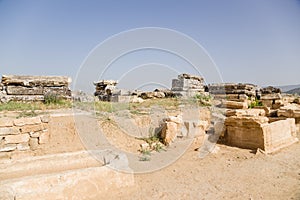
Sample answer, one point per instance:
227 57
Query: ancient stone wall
33 88
23 134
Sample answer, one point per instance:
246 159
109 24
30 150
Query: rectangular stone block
27 121
8 147
6 122
23 146
44 137
33 143
32 128
15 139
45 118
9 131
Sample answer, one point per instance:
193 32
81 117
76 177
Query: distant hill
286 88
294 91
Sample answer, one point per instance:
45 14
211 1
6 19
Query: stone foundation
23 134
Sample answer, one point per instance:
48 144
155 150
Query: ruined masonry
23 134
188 85
33 88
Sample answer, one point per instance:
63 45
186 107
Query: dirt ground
231 173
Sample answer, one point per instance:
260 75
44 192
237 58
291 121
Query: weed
255 104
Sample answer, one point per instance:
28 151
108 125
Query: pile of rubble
33 88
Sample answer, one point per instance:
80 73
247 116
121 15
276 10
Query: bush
52 98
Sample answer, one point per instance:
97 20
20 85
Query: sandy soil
231 173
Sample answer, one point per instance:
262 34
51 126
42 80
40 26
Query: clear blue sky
255 41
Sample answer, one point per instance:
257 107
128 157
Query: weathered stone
44 137
31 128
33 143
53 81
270 90
8 147
23 146
6 122
15 139
273 96
291 110
246 121
256 132
246 112
35 134
45 118
27 121
234 105
169 132
9 131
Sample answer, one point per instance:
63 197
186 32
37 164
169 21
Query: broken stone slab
50 81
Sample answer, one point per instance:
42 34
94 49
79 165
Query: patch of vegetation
255 103
203 100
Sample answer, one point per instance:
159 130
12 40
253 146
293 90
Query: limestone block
32 128
33 143
23 146
35 134
27 121
8 147
169 132
14 139
246 112
246 121
9 131
44 137
6 122
234 105
274 96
